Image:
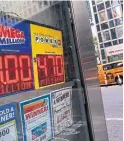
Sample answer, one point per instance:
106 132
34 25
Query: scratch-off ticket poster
62 109
8 122
36 119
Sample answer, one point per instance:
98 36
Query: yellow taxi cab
111 72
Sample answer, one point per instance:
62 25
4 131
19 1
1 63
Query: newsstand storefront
49 89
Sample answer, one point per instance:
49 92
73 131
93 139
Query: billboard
8 123
62 109
36 119
47 52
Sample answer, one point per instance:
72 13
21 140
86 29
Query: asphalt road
113 106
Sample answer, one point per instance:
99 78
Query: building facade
108 26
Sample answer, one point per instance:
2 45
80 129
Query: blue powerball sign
8 123
14 36
36 119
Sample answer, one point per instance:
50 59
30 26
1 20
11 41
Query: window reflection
93 2
98 1
107 44
109 13
103 54
118 21
104 62
115 42
94 9
100 6
104 26
98 28
102 16
40 4
120 41
113 33
119 31
111 23
96 18
45 3
115 2
106 35
117 12
100 37
107 3
101 45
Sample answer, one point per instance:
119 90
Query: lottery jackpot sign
47 51
16 72
22 42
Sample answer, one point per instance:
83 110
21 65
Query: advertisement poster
36 119
47 51
8 122
16 67
62 109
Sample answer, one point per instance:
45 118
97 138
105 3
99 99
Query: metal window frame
88 69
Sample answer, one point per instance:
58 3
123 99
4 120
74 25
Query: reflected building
108 21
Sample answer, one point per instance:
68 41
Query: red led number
1 72
15 73
59 67
25 65
50 69
12 75
42 65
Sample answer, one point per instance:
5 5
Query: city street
113 106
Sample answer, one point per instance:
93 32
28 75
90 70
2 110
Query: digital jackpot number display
47 52
16 71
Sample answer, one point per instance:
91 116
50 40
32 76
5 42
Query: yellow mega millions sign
47 51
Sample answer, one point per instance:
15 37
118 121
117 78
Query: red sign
15 73
50 69
6 31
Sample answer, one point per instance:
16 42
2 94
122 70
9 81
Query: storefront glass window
115 57
106 35
117 12
100 7
102 16
109 13
104 26
113 33
39 60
